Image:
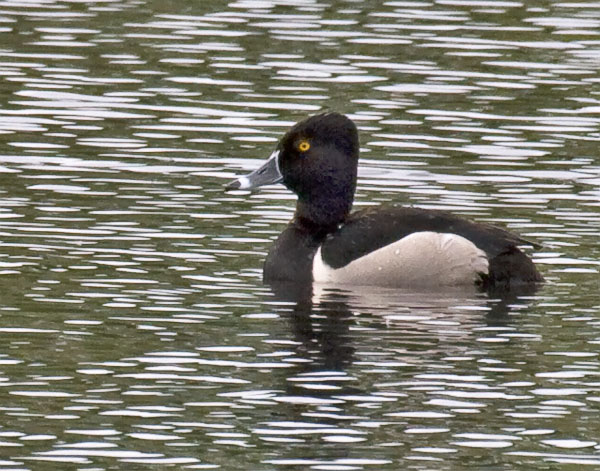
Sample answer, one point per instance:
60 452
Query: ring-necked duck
390 245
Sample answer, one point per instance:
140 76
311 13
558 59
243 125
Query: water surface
134 325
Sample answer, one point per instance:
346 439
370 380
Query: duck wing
370 229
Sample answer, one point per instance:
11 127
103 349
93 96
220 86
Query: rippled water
134 326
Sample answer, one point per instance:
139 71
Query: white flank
419 260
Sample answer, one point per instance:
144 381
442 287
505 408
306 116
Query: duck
389 245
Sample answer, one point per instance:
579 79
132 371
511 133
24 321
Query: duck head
317 159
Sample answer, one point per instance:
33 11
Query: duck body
386 246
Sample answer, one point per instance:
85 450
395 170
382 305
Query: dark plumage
317 159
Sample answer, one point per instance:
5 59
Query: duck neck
323 214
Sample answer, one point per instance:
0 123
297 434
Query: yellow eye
303 146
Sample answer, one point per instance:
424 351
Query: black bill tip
234 185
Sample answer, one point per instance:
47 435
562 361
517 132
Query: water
134 326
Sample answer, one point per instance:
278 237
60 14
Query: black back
376 227
373 228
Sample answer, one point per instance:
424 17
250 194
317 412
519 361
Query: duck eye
303 146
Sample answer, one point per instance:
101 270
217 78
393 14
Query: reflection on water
134 324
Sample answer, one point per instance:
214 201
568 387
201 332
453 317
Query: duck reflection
321 327
330 323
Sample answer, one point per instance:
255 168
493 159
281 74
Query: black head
317 159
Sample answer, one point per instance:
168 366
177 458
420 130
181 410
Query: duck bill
268 174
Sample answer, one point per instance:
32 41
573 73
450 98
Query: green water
135 330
